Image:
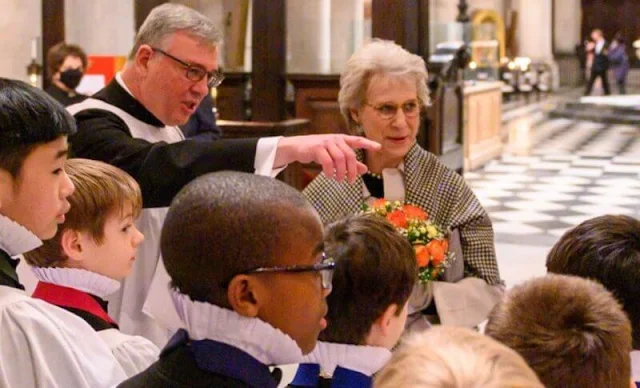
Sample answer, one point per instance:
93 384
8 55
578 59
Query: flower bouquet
429 241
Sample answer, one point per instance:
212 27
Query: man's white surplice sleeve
266 155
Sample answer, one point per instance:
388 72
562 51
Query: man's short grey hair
378 57
167 19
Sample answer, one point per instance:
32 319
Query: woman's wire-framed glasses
388 111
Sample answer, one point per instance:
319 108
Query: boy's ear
71 244
381 329
243 295
6 186
385 320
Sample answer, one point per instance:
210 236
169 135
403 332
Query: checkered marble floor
578 170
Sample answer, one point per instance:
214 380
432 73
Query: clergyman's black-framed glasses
196 73
325 268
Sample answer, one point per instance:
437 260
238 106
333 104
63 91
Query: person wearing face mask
66 64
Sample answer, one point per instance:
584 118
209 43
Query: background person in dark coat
619 62
600 64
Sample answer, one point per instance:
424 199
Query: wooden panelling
406 22
316 99
441 132
141 9
268 60
230 98
294 174
52 30
482 124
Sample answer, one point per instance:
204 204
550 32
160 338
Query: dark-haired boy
249 283
373 279
42 345
606 249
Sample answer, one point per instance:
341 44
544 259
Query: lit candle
34 48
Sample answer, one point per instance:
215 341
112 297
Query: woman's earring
359 130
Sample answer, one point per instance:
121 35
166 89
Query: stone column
442 15
568 17
20 23
309 36
347 31
534 29
100 27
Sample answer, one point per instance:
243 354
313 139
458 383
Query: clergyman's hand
333 152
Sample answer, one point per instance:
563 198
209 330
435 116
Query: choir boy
373 279
248 279
92 252
42 345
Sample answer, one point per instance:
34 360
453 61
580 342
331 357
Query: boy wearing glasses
374 276
132 124
248 279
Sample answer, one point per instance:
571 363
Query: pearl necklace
374 175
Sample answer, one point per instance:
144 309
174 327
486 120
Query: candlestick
34 48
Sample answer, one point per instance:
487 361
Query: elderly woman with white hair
383 90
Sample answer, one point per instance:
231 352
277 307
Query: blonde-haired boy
93 250
455 357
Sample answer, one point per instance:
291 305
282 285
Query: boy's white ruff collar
79 279
15 239
367 360
255 337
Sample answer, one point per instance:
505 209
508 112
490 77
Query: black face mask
71 78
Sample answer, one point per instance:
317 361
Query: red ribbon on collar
72 298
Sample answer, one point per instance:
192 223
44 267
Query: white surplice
42 345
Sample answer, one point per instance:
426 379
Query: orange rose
379 203
437 253
445 245
422 255
397 218
415 212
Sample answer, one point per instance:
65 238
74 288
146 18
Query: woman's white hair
167 19
455 357
378 57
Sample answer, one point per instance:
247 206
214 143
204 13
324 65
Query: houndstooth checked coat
466 299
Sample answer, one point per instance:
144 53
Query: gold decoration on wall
487 16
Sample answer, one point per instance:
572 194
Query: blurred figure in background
66 64
600 65
619 62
